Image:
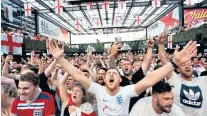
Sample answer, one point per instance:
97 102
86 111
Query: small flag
139 20
122 5
97 22
27 9
156 3
105 6
170 41
89 6
58 7
77 24
117 20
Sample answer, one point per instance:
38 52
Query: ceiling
124 20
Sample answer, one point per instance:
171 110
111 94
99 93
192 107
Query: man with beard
159 104
190 93
101 73
112 99
130 77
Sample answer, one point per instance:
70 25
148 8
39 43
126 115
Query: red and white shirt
44 105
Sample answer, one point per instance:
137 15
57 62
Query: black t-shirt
204 73
44 85
139 75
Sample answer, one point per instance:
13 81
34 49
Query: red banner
193 15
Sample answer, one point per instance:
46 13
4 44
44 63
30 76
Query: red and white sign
89 6
59 7
169 21
156 3
11 43
27 9
51 30
105 6
122 5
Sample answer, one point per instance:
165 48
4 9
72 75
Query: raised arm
50 68
113 53
89 54
181 57
161 49
148 57
73 71
63 91
6 66
162 53
54 79
92 74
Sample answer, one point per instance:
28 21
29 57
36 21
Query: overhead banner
169 21
50 30
195 15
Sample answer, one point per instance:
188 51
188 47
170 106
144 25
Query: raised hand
161 38
89 53
115 48
55 50
150 42
9 58
185 54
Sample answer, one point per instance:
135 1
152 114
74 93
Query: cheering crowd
108 84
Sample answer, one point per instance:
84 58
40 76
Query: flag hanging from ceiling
8 12
117 20
122 5
191 2
100 31
58 7
27 9
139 20
156 3
77 24
105 6
89 6
115 30
97 22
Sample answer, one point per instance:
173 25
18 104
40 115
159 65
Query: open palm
186 53
55 50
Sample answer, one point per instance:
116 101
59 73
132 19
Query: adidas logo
191 95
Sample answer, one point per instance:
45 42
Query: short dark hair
115 69
201 58
83 70
30 77
193 58
102 68
161 87
32 68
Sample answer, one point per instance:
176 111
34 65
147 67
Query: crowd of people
107 84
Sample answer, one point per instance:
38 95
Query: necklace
29 102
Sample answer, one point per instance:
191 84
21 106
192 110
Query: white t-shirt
143 107
191 96
117 105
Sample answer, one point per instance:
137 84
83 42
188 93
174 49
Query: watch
173 63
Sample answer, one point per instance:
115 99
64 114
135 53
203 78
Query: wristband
173 63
